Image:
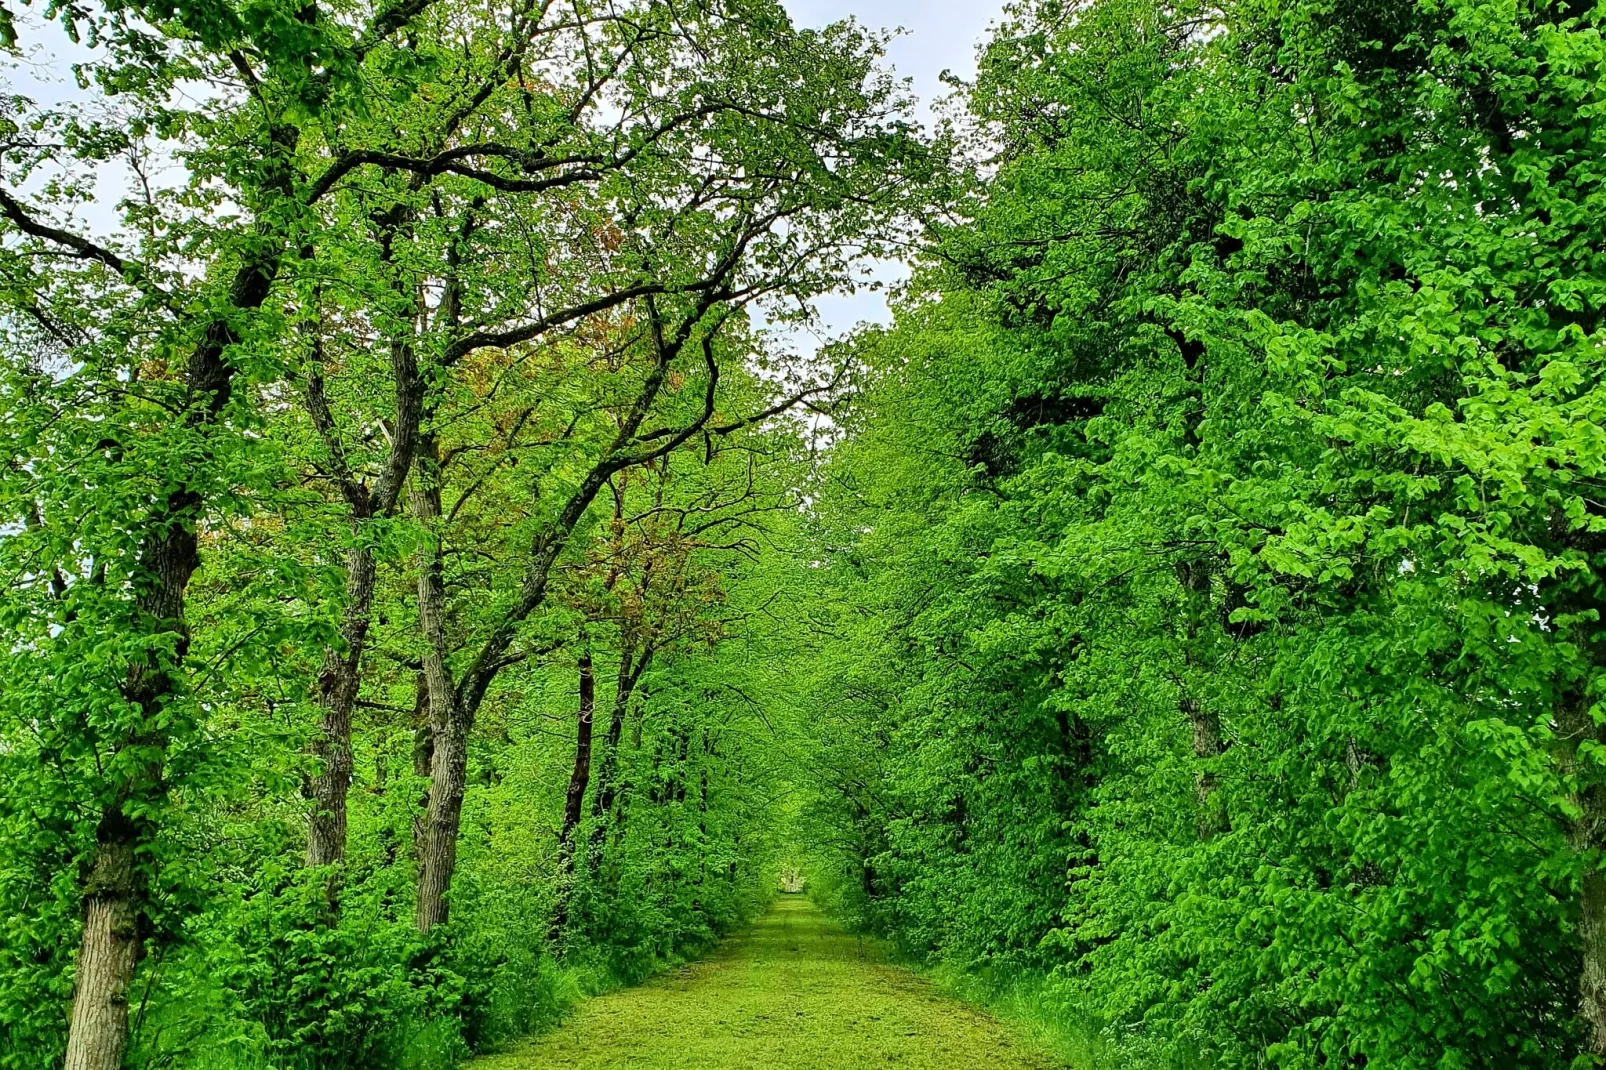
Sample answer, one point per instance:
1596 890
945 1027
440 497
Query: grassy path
792 992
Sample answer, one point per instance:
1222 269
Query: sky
938 35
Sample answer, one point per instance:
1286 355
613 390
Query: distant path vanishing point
791 993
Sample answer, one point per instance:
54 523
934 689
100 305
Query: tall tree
788 164
162 359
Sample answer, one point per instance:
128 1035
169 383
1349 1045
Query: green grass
792 991
1031 1006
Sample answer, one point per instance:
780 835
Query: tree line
1207 645
346 464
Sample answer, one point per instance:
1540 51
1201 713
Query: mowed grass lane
793 991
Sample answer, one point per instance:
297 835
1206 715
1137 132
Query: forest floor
793 992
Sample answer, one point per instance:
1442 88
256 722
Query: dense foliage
429 595
1211 624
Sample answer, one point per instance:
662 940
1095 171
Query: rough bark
574 798
338 684
449 722
1592 940
115 890
106 958
438 850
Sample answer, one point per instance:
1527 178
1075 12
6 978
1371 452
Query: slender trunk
574 800
602 807
682 763
702 785
619 812
580 777
625 681
449 722
609 768
338 684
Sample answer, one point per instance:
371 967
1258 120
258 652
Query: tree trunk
630 670
609 769
337 694
1592 938
1207 746
438 851
580 777
1587 832
115 892
108 952
449 722
574 800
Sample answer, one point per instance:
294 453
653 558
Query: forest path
792 992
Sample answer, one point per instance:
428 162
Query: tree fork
341 678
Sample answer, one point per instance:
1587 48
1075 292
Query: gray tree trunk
338 684
107 955
449 722
1587 832
115 894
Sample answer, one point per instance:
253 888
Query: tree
782 177
155 347
405 183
